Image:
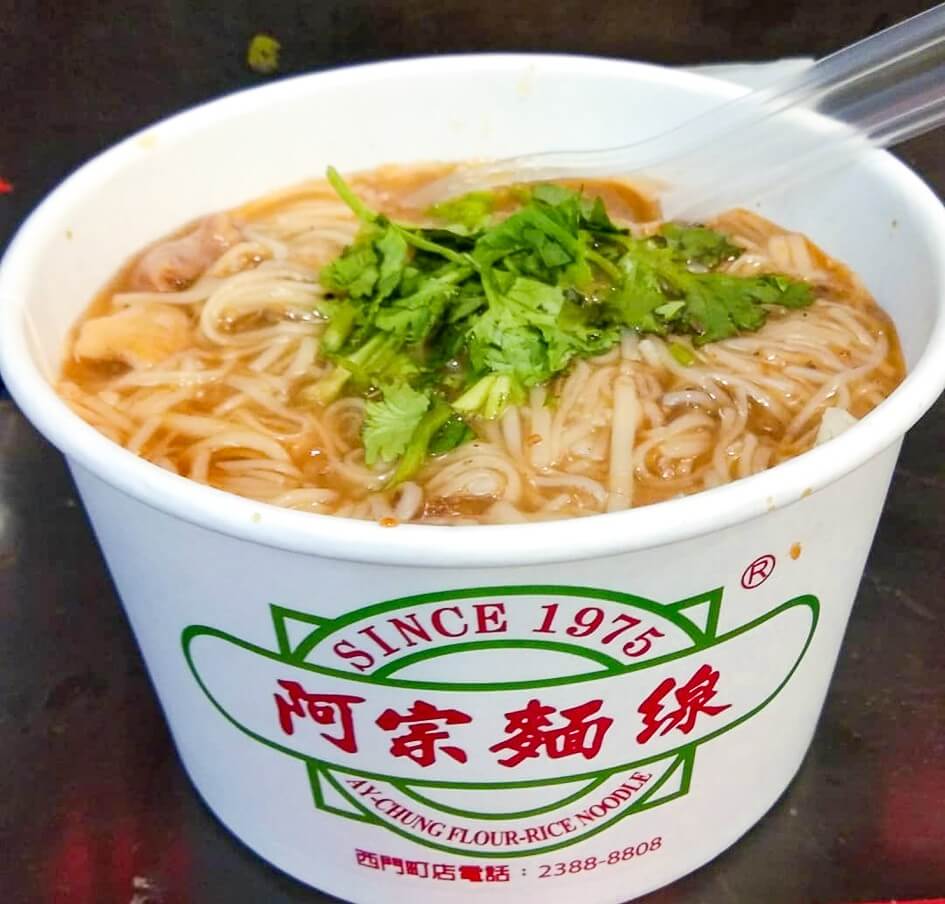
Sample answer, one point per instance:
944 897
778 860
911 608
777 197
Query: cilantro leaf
595 218
390 423
581 332
471 212
699 245
453 433
419 446
378 361
660 294
354 273
414 316
554 195
538 238
391 248
636 299
512 336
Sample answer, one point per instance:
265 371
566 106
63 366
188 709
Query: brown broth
322 453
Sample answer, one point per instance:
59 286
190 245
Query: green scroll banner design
501 651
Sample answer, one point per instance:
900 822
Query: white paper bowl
227 596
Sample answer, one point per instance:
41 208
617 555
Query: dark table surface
94 807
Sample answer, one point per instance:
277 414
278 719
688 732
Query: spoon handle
874 93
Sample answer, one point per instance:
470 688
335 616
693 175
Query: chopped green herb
453 433
262 55
341 317
417 449
670 310
435 326
361 210
354 273
390 423
488 397
469 213
699 245
714 305
682 353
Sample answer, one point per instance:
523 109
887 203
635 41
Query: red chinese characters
423 869
533 732
422 740
690 700
323 709
422 731
395 864
367 858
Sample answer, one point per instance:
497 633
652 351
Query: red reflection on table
71 872
125 857
912 822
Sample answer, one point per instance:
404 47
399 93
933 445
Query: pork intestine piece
139 336
833 422
175 264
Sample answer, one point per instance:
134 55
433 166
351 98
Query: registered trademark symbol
758 572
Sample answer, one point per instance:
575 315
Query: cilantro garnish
438 325
390 423
262 55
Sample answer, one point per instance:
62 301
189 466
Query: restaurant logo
581 706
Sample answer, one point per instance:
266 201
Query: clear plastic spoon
873 94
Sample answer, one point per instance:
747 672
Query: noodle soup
210 352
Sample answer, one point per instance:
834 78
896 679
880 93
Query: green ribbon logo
501 721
